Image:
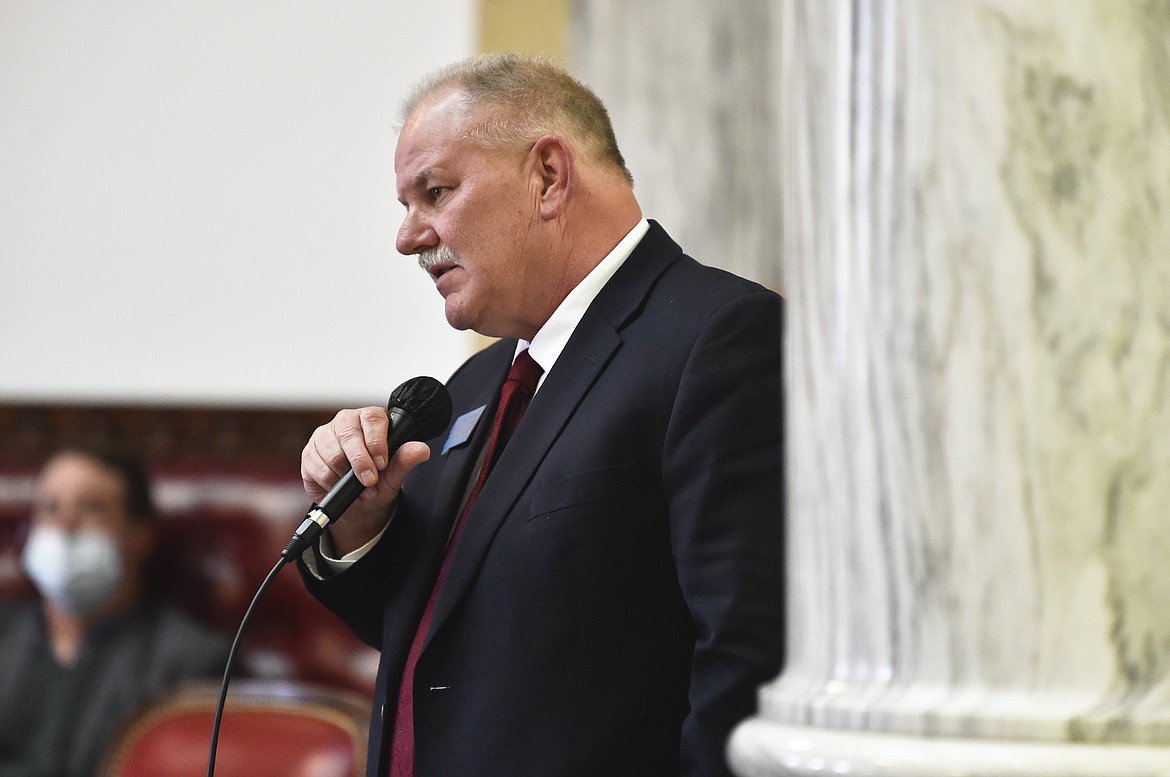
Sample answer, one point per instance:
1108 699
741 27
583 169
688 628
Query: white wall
197 200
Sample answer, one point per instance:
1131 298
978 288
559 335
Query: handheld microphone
419 409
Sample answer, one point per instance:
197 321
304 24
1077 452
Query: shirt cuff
324 554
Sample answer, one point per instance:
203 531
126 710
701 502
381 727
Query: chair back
13 529
268 729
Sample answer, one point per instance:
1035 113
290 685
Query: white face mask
76 571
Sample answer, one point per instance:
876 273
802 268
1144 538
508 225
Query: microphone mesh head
426 401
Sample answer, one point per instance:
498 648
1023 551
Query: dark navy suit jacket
615 599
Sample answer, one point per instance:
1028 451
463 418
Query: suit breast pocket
619 485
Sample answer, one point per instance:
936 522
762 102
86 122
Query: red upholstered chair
212 559
269 729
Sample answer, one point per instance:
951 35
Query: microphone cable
231 660
418 409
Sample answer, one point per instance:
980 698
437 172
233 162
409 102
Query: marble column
691 86
976 208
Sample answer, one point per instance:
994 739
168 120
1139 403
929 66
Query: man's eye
436 191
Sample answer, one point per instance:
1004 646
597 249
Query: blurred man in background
84 656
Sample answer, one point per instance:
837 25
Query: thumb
405 459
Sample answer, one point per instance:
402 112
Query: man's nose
415 235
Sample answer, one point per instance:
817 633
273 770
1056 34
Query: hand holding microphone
418 410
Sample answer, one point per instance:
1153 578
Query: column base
760 748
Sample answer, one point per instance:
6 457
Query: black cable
227 671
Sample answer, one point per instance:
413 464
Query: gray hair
528 97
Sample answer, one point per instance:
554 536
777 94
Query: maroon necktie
514 398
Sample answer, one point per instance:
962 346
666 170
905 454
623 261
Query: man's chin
456 317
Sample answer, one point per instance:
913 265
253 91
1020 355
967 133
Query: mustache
432 257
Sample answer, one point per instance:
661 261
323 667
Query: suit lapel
585 357
460 463
457 468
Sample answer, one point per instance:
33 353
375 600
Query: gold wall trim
525 26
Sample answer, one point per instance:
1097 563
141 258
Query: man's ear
553 169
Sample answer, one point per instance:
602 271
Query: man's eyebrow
423 176
419 181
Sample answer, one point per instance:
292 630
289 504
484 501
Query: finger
316 474
324 459
405 459
322 462
355 432
376 428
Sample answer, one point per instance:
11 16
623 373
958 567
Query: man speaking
582 574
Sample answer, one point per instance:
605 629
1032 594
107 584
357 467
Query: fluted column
691 86
976 211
